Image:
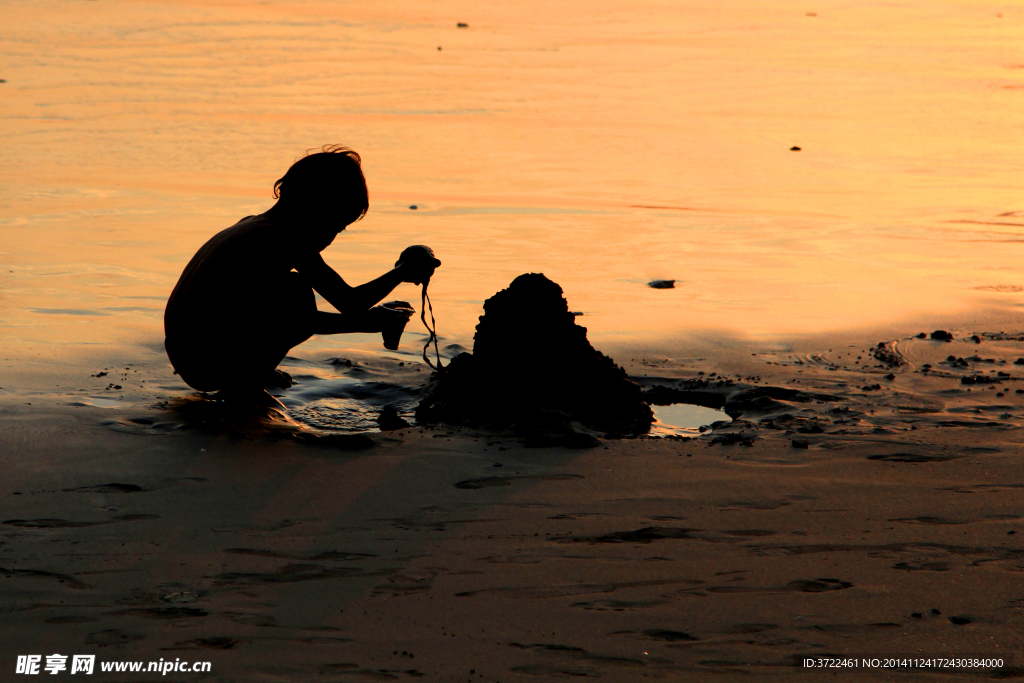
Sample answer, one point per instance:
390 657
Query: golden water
605 144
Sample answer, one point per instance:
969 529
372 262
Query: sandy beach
859 504
823 186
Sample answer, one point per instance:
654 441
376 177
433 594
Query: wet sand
843 511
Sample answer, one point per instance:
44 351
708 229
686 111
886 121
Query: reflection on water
633 142
349 396
684 419
100 402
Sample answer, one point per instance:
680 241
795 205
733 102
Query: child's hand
417 274
417 264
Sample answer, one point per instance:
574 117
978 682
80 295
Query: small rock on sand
389 420
662 284
942 335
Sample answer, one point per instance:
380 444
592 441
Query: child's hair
330 178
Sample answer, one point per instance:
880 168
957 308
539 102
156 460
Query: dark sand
459 555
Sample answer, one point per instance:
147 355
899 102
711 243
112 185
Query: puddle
99 402
684 419
344 404
338 415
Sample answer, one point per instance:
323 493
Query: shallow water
607 149
683 419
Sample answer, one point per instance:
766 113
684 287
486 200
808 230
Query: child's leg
285 320
242 347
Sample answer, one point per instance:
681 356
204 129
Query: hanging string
431 328
424 255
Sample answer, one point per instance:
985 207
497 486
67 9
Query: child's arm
345 297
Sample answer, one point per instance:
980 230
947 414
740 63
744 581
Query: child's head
327 185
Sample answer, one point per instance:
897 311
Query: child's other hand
416 273
417 264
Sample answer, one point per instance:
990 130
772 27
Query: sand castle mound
533 366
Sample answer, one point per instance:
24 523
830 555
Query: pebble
662 284
794 148
942 335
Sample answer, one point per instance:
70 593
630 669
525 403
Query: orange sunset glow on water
605 146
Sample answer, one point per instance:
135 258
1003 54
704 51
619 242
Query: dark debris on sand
533 369
389 420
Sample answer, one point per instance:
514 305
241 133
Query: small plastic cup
399 313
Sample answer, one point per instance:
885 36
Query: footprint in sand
69 581
292 573
486 482
71 620
667 635
116 487
922 566
743 629
336 555
214 643
112 636
911 457
800 586
160 612
65 524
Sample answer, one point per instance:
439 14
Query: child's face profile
324 236
317 227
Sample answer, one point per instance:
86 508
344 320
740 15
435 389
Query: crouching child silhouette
247 296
